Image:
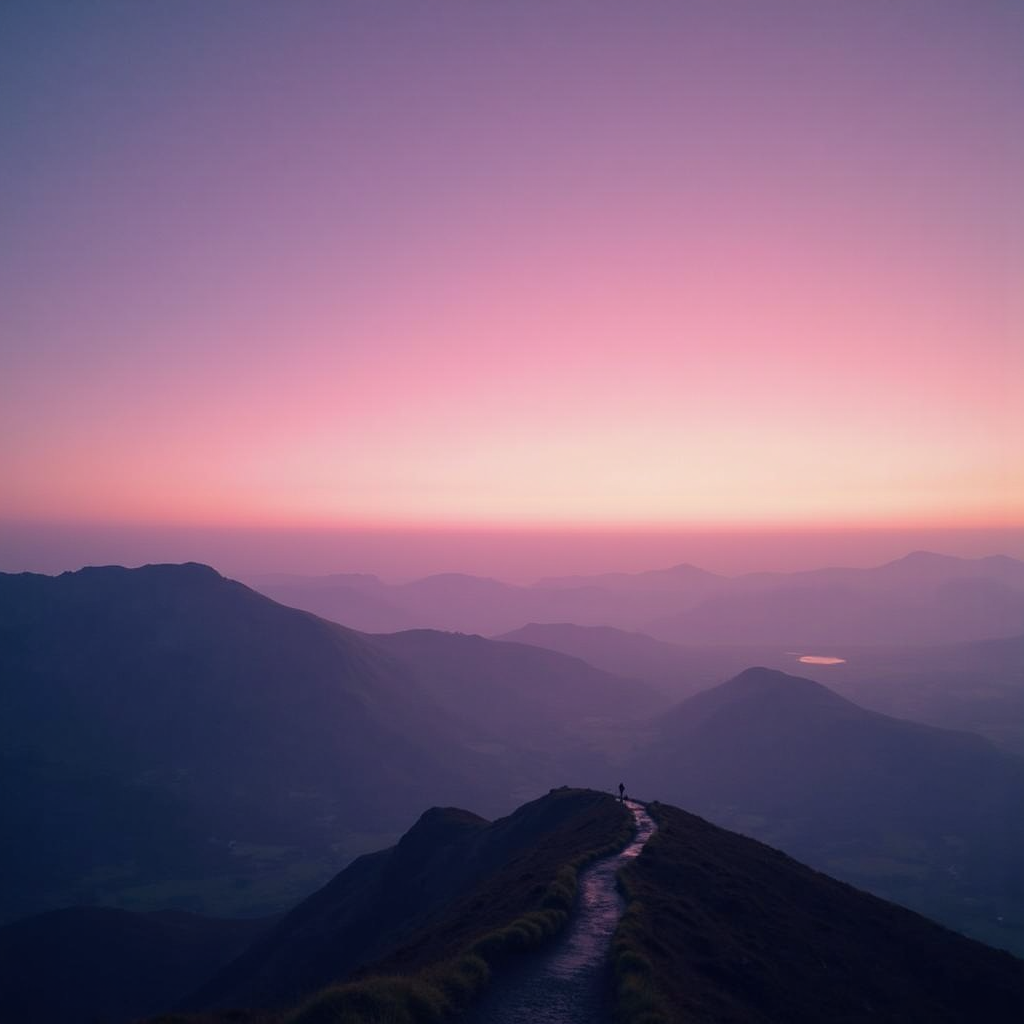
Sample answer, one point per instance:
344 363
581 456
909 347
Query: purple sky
635 267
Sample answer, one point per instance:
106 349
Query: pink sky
648 267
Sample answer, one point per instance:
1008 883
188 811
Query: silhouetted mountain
358 601
516 693
723 929
957 609
923 598
181 729
452 878
923 816
976 686
674 669
446 601
683 578
166 724
93 963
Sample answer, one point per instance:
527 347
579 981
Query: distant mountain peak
685 567
922 557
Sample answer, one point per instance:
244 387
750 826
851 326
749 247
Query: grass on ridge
445 967
437 992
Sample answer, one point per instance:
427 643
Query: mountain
446 601
975 686
458 602
199 746
673 668
97 963
717 927
923 816
958 609
451 879
186 733
923 598
516 694
677 579
721 928
357 600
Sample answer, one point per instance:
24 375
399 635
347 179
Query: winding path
564 983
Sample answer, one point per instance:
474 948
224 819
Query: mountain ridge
920 815
921 598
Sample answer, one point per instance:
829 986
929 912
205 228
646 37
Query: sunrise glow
574 265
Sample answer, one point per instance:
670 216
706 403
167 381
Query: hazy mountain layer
172 738
975 686
165 726
924 816
923 598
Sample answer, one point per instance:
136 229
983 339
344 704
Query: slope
180 728
923 816
675 669
450 880
521 694
723 929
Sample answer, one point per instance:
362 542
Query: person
622 791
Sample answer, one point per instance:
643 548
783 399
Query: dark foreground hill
923 816
89 964
721 928
454 896
451 879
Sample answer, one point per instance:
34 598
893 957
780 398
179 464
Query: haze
519 556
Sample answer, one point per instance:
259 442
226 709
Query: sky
572 269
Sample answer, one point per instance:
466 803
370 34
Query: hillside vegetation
413 933
721 928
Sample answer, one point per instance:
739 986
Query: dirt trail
565 983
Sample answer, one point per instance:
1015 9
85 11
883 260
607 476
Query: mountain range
198 745
975 686
923 598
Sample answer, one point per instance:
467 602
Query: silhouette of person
622 791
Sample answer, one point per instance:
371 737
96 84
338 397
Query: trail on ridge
564 983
